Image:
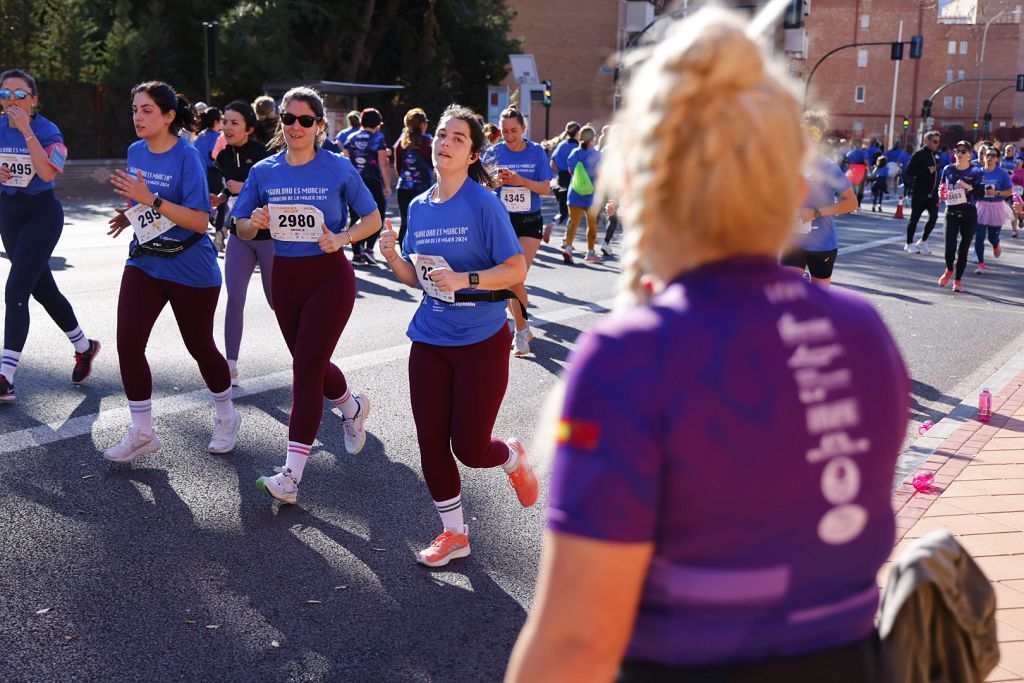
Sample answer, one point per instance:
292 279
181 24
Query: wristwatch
157 202
474 280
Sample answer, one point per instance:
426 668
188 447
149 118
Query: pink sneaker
445 548
522 478
944 280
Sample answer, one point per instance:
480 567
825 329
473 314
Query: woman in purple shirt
719 499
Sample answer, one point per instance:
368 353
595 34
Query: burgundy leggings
313 298
456 392
138 306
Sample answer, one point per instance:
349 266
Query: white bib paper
516 199
956 196
803 227
22 170
296 222
147 222
1018 190
425 264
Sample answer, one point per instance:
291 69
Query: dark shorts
528 224
818 263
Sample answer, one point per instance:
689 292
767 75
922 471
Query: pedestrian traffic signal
916 45
906 123
988 117
1020 82
547 94
896 53
926 109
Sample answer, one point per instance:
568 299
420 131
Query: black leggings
377 190
961 223
613 223
404 199
929 204
30 226
562 194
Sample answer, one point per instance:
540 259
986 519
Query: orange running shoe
522 478
958 286
944 280
445 548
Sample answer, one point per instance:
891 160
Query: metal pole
981 67
547 123
206 57
895 84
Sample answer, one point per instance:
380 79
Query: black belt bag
492 296
164 248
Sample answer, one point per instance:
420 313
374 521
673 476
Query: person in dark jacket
921 177
266 118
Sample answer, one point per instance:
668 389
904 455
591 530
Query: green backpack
581 182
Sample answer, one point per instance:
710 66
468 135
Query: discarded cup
925 426
923 480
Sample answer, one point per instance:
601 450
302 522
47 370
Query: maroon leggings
313 298
138 306
456 392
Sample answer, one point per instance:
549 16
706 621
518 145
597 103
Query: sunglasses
963 151
991 156
19 94
306 121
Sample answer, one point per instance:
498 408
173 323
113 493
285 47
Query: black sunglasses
992 156
306 121
18 94
961 150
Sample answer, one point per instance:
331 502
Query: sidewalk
978 496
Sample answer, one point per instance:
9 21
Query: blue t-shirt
590 158
1007 164
342 136
825 182
945 159
472 231
1000 179
205 143
873 153
857 156
13 142
329 182
415 167
562 152
972 175
903 158
362 149
178 176
531 163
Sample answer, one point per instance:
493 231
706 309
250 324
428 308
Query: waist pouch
491 297
164 248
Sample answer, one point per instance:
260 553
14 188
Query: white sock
142 415
79 339
232 366
513 460
9 364
222 403
298 453
346 404
451 514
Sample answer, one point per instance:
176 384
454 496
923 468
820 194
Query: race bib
296 222
803 227
22 170
425 264
515 199
1018 190
956 196
147 222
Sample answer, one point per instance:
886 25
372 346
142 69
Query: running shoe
972 257
225 434
368 258
522 478
923 248
912 248
445 548
1013 234
606 250
355 428
521 343
83 362
567 255
134 444
944 280
234 377
547 234
997 250
980 270
958 286
281 485
592 257
6 390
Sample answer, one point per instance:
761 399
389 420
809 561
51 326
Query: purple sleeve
606 478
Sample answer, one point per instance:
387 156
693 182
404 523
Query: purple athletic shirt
748 424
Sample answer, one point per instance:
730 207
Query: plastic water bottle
985 406
943 191
923 480
925 426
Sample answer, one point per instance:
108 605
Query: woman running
302 195
560 165
993 211
234 163
170 260
962 184
209 141
413 164
368 151
524 175
31 222
466 255
582 161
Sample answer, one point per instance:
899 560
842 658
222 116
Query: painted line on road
117 418
845 251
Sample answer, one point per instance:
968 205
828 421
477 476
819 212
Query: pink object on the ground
923 480
985 406
925 426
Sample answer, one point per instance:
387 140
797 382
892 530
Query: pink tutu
994 213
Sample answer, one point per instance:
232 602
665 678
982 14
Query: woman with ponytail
655 566
170 260
413 164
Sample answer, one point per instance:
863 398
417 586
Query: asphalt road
177 567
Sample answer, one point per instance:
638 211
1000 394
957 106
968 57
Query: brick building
855 85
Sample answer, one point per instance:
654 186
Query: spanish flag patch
579 434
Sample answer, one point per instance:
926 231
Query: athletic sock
232 366
222 403
142 415
513 460
298 453
451 514
346 404
78 338
9 364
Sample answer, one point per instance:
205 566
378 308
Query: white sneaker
923 248
355 428
134 444
281 486
234 377
521 343
225 434
912 249
972 257
606 250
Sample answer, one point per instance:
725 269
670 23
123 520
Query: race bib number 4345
515 199
295 222
21 168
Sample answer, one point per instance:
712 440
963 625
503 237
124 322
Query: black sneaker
83 362
6 390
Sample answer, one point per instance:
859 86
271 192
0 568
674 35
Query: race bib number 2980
295 222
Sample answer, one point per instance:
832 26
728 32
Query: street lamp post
981 57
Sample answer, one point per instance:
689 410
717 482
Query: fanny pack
493 296
164 248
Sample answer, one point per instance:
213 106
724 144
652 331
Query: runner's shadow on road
921 392
366 287
861 289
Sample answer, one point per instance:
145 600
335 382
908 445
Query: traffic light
975 126
926 109
794 15
896 53
547 94
906 123
916 45
1020 82
988 117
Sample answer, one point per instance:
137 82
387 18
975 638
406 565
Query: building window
862 58
952 47
947 102
858 93
949 75
963 47
959 102
961 74
858 128
865 22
